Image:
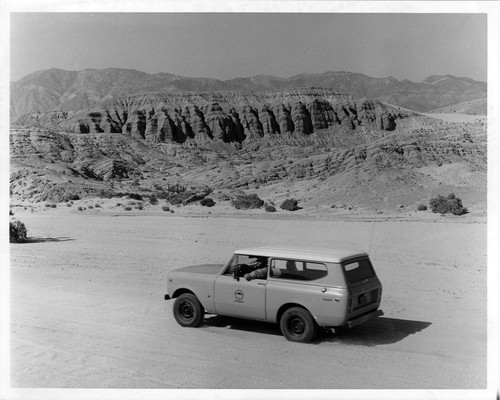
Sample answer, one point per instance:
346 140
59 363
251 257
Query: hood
202 269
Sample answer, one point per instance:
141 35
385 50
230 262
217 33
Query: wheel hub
297 326
187 311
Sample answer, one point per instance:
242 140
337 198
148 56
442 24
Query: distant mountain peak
60 90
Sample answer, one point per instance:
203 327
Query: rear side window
358 270
297 270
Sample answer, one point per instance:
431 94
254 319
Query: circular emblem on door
238 295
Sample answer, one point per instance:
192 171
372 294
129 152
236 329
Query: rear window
358 270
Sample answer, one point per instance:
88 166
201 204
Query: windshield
358 270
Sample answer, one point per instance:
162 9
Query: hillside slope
226 117
60 90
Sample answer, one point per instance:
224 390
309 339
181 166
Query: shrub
91 207
421 207
106 194
80 208
153 199
128 208
165 208
139 206
135 196
247 201
449 204
290 205
17 231
97 205
177 198
207 202
270 208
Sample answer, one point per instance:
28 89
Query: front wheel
188 310
297 325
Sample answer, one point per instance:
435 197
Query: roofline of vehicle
310 253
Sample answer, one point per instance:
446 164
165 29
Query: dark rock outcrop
226 118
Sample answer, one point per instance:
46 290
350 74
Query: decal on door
238 295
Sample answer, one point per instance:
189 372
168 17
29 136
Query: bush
270 208
153 199
135 196
17 231
449 204
290 205
165 208
177 198
247 201
51 205
128 208
207 202
422 207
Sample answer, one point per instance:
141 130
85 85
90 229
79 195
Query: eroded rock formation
227 118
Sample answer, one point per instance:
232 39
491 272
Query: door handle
261 283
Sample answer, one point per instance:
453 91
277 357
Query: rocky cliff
228 117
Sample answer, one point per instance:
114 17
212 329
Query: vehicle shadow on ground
47 240
379 331
241 325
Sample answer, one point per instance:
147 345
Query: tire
188 311
297 325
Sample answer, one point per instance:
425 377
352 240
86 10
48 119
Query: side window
245 264
297 270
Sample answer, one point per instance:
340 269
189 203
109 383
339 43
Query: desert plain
87 306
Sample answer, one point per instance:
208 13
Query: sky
229 45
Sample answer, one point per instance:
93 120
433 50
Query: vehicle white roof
304 253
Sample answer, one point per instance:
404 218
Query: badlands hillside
60 90
319 146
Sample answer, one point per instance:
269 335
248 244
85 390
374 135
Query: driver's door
240 298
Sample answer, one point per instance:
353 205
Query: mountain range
61 90
323 139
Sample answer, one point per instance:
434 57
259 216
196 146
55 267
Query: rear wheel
297 325
188 310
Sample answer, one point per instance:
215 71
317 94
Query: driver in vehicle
259 269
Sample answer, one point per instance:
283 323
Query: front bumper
363 318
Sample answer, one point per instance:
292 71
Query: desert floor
87 307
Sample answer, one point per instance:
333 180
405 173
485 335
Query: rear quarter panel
328 305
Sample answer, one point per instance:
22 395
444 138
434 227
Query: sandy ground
87 306
456 117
